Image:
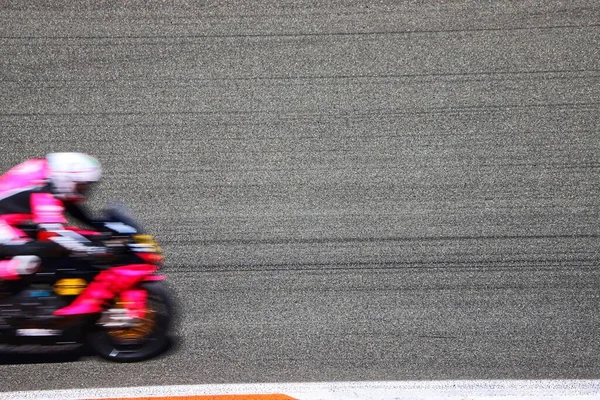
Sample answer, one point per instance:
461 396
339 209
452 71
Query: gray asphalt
344 190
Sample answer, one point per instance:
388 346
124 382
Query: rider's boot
104 288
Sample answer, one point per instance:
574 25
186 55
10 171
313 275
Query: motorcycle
122 310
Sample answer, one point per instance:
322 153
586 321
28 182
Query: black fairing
118 212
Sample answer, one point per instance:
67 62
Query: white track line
400 390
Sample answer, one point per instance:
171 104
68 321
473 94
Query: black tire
110 346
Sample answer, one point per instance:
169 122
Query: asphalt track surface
344 190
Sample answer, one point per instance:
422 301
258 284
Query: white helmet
72 173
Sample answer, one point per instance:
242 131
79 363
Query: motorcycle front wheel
147 339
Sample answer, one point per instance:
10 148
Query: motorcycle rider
41 191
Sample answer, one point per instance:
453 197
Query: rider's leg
18 266
19 255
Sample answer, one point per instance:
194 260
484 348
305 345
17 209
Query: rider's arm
48 213
81 213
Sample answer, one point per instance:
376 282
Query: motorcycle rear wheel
148 339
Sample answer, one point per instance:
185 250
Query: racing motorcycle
122 310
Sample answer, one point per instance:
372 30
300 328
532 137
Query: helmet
72 174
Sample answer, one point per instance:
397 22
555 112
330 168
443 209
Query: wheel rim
144 340
144 327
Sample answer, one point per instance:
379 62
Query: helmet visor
83 188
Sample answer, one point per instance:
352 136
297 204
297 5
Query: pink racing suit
26 199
